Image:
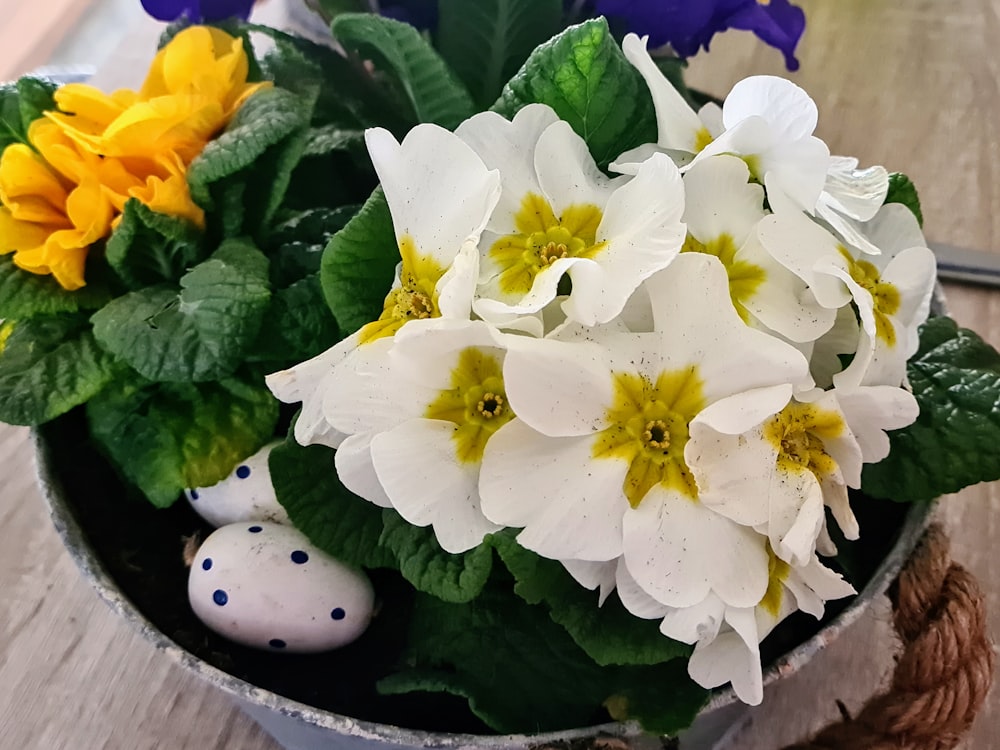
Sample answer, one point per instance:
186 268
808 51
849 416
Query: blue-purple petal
420 13
197 11
664 21
779 23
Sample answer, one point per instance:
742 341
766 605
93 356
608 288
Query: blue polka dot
220 597
299 557
338 614
242 471
255 529
277 643
194 494
206 564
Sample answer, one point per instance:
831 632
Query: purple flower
420 13
688 25
197 11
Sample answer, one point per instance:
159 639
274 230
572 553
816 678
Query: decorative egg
245 495
264 585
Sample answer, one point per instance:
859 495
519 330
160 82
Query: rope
944 671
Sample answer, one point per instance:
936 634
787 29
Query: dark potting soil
142 550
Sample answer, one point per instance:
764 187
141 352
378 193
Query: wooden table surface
912 84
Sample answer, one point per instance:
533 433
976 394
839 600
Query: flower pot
110 539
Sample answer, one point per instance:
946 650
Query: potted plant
617 323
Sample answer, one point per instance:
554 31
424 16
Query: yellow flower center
745 278
476 403
542 238
701 140
777 574
649 429
416 297
885 296
799 432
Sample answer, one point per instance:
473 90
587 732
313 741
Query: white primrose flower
440 195
850 197
766 121
559 215
892 291
727 639
419 418
722 212
593 468
777 473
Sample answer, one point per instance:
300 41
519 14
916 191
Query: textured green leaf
24 295
584 76
359 265
955 377
148 247
169 436
48 365
328 138
902 190
400 52
267 134
609 634
487 42
523 673
452 578
22 103
297 326
335 520
199 332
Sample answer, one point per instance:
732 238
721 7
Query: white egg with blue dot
245 495
265 585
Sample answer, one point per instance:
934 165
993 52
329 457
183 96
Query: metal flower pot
298 726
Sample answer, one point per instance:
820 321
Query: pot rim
93 570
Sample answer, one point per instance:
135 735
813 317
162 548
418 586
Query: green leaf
584 76
22 103
452 578
170 436
48 365
955 377
487 42
267 134
609 633
359 265
35 97
335 520
199 332
400 52
297 326
902 190
523 673
328 138
24 294
148 247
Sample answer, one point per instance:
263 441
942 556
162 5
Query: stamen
656 434
490 406
552 252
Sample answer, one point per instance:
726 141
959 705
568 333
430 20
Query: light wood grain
913 84
30 31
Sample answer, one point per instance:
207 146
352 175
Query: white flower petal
677 123
593 575
417 466
733 656
567 173
796 515
787 108
308 382
509 145
558 388
457 287
679 550
720 200
356 471
799 169
873 410
838 501
741 412
643 229
799 244
700 622
629 161
570 505
425 353
895 228
439 191
634 599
